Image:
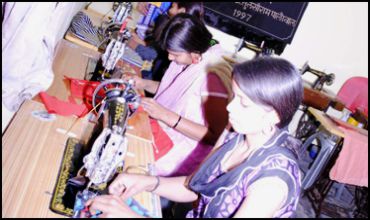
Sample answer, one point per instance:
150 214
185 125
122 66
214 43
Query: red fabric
162 142
56 106
351 166
83 88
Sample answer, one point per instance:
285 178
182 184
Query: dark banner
275 20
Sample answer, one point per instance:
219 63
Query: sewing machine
322 79
114 51
116 35
117 101
316 98
261 50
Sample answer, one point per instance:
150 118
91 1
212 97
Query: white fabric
30 32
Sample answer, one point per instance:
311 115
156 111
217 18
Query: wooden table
320 100
32 149
332 124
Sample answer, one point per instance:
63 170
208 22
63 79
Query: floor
334 206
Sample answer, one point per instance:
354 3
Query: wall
332 37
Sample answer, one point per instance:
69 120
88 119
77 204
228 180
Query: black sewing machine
88 169
261 50
322 79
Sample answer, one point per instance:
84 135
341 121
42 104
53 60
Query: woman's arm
264 198
172 188
216 118
140 83
214 110
127 185
150 85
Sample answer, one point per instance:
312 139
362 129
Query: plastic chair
354 94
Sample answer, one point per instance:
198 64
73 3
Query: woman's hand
139 83
154 109
128 185
137 39
142 7
111 206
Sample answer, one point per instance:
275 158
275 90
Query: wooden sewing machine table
32 149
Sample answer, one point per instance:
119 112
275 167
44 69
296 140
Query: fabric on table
83 89
55 106
351 166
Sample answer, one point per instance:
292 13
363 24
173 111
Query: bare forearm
173 188
150 85
191 129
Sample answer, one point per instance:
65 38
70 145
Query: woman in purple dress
254 173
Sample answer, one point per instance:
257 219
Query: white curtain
30 32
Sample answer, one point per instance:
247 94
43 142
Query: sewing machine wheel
330 79
113 88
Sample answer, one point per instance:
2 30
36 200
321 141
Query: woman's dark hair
272 82
192 8
186 33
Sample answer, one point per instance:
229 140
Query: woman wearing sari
190 101
254 173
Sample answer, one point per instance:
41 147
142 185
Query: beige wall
332 37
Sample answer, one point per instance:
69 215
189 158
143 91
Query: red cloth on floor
162 142
351 166
56 106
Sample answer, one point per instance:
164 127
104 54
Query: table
32 149
352 158
320 100
332 124
336 159
331 139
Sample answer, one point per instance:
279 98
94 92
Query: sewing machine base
64 194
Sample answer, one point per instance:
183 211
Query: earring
269 130
196 60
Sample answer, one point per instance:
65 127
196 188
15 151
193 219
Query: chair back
354 94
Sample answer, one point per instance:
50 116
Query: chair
354 95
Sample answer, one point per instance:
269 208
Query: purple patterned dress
222 193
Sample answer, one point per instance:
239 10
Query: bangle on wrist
177 122
156 184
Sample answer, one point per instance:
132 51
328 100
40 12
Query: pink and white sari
182 92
